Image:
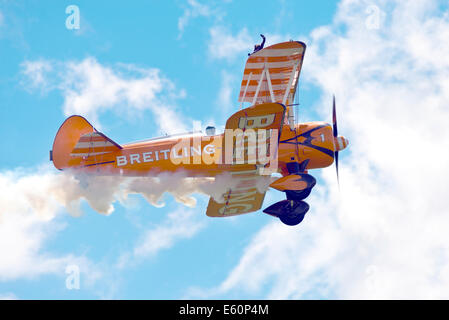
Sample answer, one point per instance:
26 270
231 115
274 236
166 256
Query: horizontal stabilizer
94 144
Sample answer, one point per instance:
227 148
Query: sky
147 68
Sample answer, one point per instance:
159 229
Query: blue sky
146 68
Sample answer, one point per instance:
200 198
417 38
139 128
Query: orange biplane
258 141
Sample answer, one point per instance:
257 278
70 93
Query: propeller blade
334 118
336 166
335 131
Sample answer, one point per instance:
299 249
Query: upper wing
271 74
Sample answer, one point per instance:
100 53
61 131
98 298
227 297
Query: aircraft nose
341 143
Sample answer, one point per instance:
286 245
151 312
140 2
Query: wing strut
246 88
265 75
269 84
287 92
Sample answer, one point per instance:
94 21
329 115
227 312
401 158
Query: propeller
335 131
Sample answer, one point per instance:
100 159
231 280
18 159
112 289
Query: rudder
66 139
76 140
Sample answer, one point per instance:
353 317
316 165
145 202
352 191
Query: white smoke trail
177 184
101 191
46 192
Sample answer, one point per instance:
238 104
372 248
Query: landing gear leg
298 195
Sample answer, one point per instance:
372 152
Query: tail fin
77 140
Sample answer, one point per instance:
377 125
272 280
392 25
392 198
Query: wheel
290 212
294 212
292 220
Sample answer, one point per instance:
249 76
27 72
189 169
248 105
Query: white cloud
28 218
385 234
36 73
90 88
180 224
224 45
192 11
226 101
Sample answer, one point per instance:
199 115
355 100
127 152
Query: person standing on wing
258 47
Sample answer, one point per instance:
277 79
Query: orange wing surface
271 74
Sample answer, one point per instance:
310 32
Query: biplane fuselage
197 154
